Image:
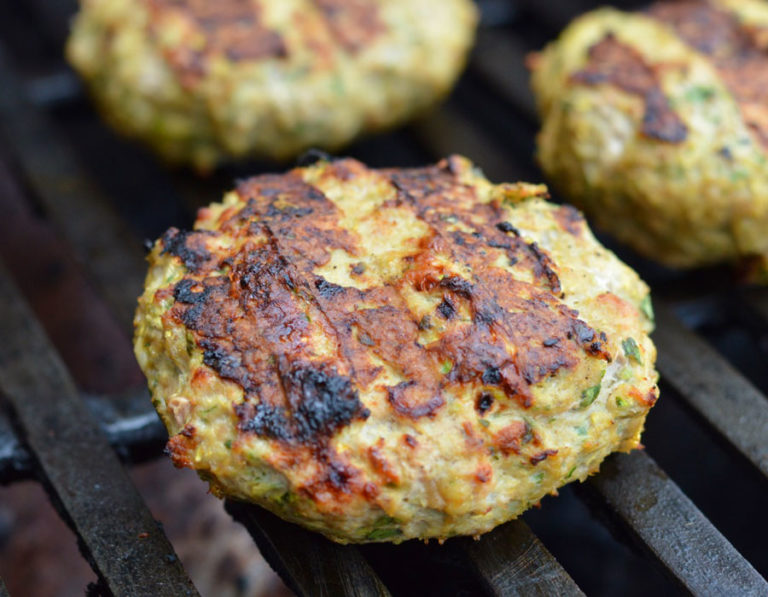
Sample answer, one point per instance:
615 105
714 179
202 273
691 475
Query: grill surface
710 430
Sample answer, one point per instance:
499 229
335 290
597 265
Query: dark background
489 118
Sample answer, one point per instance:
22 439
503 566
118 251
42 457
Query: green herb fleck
647 307
739 175
538 477
446 367
337 84
581 430
626 374
484 422
570 472
620 402
632 350
383 534
228 444
589 395
700 93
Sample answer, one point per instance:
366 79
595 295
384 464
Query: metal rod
308 562
654 510
512 561
102 242
120 538
715 389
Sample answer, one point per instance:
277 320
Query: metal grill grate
67 164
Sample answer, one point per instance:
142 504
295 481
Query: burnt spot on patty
318 402
257 325
189 247
615 63
354 24
569 219
233 28
736 50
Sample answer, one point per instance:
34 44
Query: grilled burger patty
387 354
200 81
655 124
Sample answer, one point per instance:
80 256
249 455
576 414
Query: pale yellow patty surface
380 355
205 81
669 157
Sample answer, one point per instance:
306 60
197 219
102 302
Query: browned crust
253 313
616 63
355 24
736 51
235 29
232 28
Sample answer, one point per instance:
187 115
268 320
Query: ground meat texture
655 124
335 346
204 82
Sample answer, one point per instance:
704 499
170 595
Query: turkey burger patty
205 81
387 354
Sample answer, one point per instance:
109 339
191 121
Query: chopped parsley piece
632 350
570 472
538 477
446 367
589 395
382 534
484 422
700 93
228 444
620 402
647 307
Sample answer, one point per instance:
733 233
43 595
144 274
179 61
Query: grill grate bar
717 391
103 244
135 436
123 542
307 562
512 561
616 488
669 525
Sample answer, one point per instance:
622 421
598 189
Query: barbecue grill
104 196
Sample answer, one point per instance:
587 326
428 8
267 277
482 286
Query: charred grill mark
189 247
233 28
504 310
190 291
570 219
541 456
615 63
321 402
734 49
545 267
484 403
492 376
300 216
254 324
506 227
252 332
446 308
328 289
457 285
354 24
336 480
